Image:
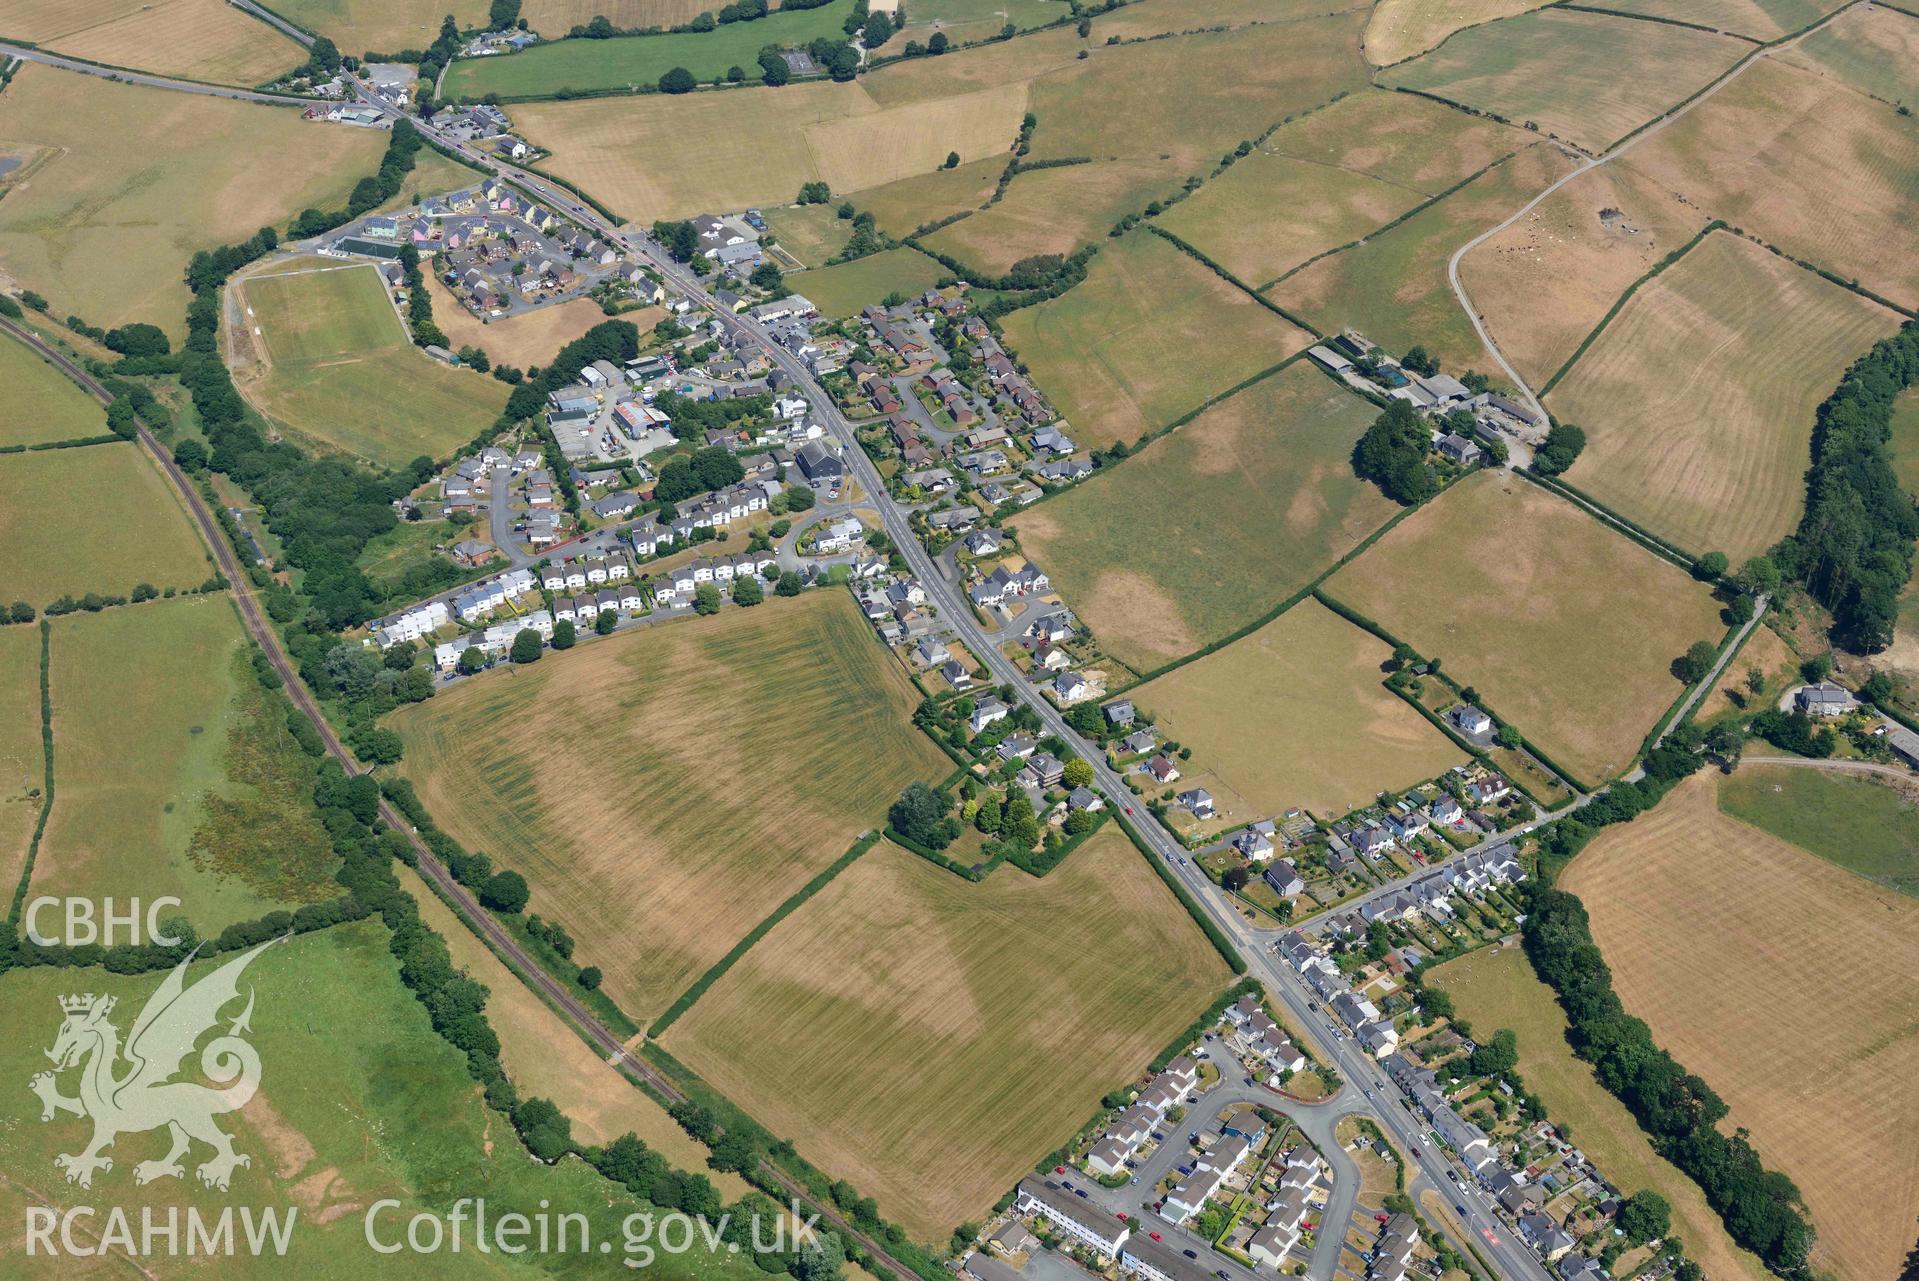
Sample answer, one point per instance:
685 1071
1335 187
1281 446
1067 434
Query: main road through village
1366 1091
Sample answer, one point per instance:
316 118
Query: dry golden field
900 207
1482 578
387 26
546 1058
1297 714
1698 399
1149 335
1052 211
141 178
1724 939
1560 69
194 39
1757 19
1393 286
1247 504
928 1038
1801 161
530 338
1542 284
661 156
665 790
135 529
1143 19
1402 29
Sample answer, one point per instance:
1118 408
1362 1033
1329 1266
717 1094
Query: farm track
1644 132
496 936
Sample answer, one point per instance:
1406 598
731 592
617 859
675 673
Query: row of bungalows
411 625
583 572
1255 1033
588 608
678 586
1136 1124
482 598
496 641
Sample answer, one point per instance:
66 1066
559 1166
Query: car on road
1079 1192
1059 1169
1156 1236
1369 1092
1460 1209
1190 1254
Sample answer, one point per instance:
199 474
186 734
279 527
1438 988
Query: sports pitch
928 1038
333 362
665 790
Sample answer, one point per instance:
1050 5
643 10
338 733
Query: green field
1148 336
338 368
1699 398
174 771
1052 211
1497 988
811 233
1212 526
1509 586
1332 177
1393 288
100 519
1874 49
1296 714
929 1039
1560 70
1858 822
22 766
547 68
42 403
965 21
1759 19
381 25
843 290
360 1100
899 208
666 790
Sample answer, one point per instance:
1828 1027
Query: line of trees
371 191
1853 547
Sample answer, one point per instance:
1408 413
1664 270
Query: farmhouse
1825 699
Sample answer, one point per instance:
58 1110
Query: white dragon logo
146 1097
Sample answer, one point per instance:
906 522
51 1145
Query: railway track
504 945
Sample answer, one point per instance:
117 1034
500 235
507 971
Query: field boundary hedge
1625 525
46 784
1722 656
1829 276
1364 623
977 872
719 968
1310 589
1619 304
71 442
1654 17
1385 227
1038 864
1214 935
1190 251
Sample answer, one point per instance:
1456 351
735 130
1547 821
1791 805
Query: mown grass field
42 403
1144 19
1496 988
969 20
174 772
1545 282
22 765
194 39
1482 577
1873 49
1149 335
843 290
1053 211
811 233
899 208
1803 162
1296 714
1724 938
385 26
554 18
545 1057
1402 29
667 156
1393 287
1860 822
624 61
663 792
928 1039
1336 175
392 1113
133 530
1560 70
1215 524
142 178
1698 399
333 348
1758 19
